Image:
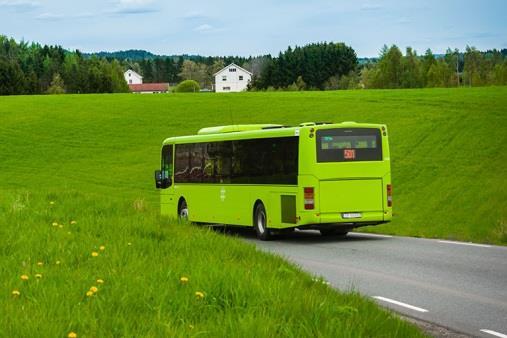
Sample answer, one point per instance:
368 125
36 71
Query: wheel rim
183 210
261 222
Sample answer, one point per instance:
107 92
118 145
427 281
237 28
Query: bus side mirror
161 182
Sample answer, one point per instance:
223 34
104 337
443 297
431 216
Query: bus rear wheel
183 210
261 223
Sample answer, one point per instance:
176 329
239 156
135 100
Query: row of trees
308 67
35 69
395 70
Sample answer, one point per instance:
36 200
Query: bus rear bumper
338 217
321 221
341 226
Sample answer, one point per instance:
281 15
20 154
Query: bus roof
245 131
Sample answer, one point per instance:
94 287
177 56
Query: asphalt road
461 286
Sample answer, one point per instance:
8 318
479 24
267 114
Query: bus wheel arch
182 208
260 221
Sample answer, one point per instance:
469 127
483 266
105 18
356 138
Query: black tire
260 223
183 210
333 232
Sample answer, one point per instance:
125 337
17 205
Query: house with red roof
136 85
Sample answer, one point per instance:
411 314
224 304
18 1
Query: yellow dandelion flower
40 263
89 293
129 243
102 248
57 262
16 293
60 226
100 281
95 254
38 275
73 222
54 224
184 280
24 277
51 202
94 289
72 335
199 295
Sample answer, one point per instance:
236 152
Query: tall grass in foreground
111 268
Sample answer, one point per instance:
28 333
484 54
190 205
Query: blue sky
224 27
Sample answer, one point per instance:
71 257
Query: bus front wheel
261 223
183 210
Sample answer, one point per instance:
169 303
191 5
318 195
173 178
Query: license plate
352 215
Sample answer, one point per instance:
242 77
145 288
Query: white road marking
408 306
465 243
366 234
494 333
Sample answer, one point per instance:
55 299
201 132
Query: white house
232 78
132 77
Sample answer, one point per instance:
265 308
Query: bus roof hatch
236 128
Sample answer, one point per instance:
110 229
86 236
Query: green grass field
447 146
85 163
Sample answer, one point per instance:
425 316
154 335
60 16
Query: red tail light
309 198
389 195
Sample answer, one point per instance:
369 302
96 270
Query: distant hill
139 54
131 54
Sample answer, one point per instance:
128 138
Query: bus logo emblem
349 154
222 194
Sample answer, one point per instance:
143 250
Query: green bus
331 177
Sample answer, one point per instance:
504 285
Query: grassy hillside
83 249
447 146
76 174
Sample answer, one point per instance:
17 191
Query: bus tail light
389 195
309 198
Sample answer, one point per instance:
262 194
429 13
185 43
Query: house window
130 81
130 74
226 88
224 78
241 77
232 70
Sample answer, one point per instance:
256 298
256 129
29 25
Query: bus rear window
349 145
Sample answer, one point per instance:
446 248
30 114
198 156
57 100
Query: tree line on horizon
35 69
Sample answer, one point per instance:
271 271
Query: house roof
149 87
235 65
130 70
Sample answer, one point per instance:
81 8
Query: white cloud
133 7
194 16
50 17
135 2
203 28
403 21
19 5
370 7
47 16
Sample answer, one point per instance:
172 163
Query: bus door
167 172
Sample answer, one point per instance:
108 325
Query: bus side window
196 162
167 161
209 158
224 163
182 163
